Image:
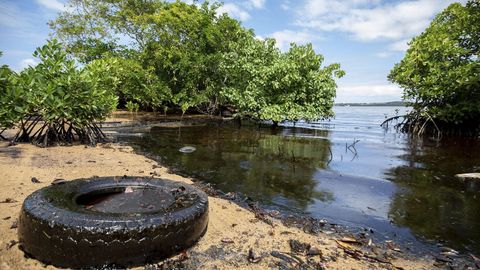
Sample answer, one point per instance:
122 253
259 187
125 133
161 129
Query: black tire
55 229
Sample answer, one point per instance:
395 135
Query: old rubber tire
55 229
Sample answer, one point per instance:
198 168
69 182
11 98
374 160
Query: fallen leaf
35 180
8 200
274 213
128 190
227 240
298 247
349 240
11 244
313 251
14 225
59 181
253 257
183 256
344 245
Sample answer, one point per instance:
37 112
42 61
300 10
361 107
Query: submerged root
423 124
414 124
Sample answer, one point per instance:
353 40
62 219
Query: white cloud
286 5
19 24
373 90
313 8
257 3
52 4
383 54
370 20
285 37
27 62
234 11
11 16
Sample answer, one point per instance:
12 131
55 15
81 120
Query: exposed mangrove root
415 123
36 131
421 123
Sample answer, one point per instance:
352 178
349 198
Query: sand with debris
231 233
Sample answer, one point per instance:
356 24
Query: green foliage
267 84
60 91
181 44
64 101
187 51
440 73
188 57
10 113
132 107
133 83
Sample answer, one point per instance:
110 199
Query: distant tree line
373 104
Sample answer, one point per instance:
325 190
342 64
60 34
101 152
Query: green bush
188 57
132 107
11 98
133 83
54 102
440 74
266 84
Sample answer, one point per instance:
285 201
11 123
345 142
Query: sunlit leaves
133 83
170 54
440 73
266 84
58 92
10 113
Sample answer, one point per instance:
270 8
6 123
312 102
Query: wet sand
228 222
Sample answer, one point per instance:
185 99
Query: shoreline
228 221
236 225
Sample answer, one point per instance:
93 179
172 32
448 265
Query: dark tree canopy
440 74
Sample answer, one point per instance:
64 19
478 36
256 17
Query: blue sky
366 36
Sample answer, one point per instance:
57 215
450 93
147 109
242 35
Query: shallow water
348 170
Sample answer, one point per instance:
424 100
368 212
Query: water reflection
272 166
431 202
400 187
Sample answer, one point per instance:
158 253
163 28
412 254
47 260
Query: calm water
403 189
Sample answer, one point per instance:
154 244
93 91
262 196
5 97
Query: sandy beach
232 230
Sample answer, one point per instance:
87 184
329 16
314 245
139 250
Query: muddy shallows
121 221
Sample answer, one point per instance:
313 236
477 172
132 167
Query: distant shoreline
391 103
